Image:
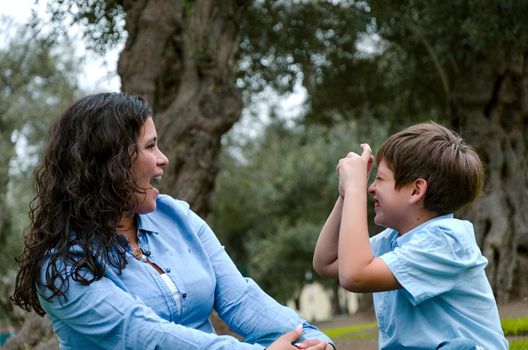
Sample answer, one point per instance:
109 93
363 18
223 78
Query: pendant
138 254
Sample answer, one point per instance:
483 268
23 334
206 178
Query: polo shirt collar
144 223
407 236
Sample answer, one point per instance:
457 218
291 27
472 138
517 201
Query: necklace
138 254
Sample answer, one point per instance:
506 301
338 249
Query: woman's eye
151 146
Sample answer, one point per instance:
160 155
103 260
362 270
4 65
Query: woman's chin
145 208
148 204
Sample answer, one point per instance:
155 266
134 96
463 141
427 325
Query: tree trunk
490 106
180 55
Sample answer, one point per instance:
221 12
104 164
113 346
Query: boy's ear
419 190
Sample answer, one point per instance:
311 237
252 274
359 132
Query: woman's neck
127 226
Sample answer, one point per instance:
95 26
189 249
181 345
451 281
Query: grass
518 345
513 327
359 331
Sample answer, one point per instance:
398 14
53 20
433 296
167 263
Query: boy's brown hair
452 168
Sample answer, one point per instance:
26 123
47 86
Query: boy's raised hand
353 170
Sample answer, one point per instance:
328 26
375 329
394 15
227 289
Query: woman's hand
285 342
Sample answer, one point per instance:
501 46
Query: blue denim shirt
135 309
445 293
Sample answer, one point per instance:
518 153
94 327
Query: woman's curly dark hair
83 185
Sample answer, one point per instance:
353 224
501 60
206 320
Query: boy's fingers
367 151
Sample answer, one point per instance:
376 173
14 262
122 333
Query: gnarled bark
490 105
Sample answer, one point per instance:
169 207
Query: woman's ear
419 190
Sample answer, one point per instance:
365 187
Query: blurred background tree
366 69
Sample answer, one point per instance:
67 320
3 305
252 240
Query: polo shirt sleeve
431 262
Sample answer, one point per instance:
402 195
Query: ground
367 339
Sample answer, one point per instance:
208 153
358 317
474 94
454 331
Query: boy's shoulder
448 220
451 238
441 233
447 225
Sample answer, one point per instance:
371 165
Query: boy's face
391 205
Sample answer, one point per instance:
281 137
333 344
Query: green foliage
102 21
515 326
282 40
457 30
395 62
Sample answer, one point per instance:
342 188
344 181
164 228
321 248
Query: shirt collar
407 236
144 223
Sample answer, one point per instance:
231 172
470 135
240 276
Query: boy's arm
325 254
359 270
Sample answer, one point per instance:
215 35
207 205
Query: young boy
426 266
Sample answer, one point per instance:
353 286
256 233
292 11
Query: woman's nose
162 159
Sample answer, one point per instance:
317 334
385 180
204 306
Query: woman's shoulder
169 212
165 200
169 206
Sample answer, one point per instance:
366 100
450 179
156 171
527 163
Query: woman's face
148 167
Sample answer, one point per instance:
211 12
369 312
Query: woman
116 265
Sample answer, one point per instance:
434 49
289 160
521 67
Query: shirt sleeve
242 304
431 262
107 316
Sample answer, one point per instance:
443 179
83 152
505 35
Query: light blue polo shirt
445 293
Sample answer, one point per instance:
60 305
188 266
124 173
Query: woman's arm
325 260
240 302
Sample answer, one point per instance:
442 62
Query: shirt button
147 253
184 295
167 270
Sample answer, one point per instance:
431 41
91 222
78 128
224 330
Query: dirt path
512 310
